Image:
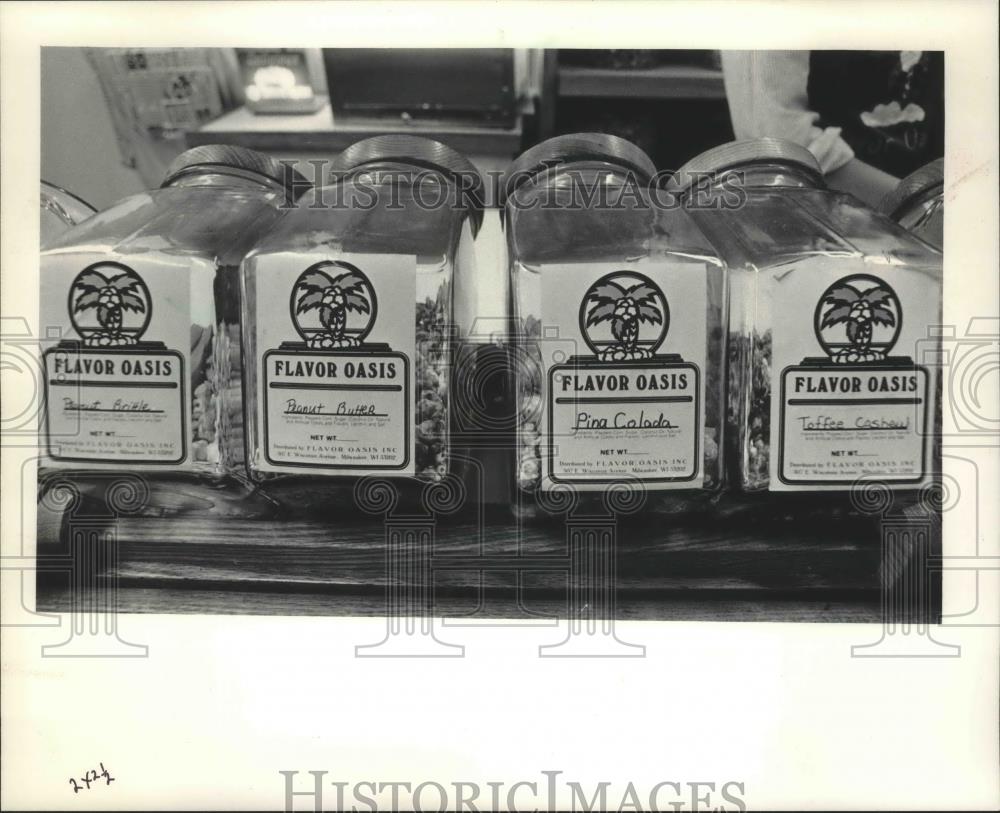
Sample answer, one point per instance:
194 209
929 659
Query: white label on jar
623 349
335 344
116 379
849 401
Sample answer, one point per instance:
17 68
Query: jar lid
576 147
419 152
213 156
740 153
929 178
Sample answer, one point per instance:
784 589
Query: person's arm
862 180
767 92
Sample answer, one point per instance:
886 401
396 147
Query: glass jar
823 387
917 204
142 304
618 305
59 210
351 304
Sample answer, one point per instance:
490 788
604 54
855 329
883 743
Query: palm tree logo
858 319
333 305
614 311
109 305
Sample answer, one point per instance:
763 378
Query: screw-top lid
928 179
419 152
740 153
211 157
566 149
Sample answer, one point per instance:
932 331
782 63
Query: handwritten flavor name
118 405
293 407
621 420
825 422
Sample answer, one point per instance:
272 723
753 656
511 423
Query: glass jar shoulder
870 233
367 219
539 237
817 228
774 228
208 221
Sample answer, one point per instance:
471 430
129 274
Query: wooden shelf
663 82
193 549
321 131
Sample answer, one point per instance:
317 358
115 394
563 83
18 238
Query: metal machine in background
280 80
468 84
